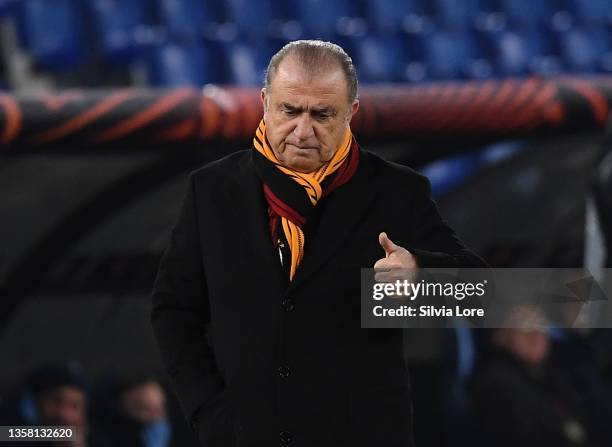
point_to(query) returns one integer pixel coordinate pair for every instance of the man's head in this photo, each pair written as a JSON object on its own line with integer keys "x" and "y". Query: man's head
{"x": 525, "y": 336}
{"x": 61, "y": 394}
{"x": 63, "y": 405}
{"x": 309, "y": 98}
{"x": 143, "y": 400}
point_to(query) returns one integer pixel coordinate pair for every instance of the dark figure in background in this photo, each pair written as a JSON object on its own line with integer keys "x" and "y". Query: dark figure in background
{"x": 51, "y": 395}
{"x": 598, "y": 251}
{"x": 130, "y": 413}
{"x": 602, "y": 197}
{"x": 526, "y": 394}
{"x": 256, "y": 304}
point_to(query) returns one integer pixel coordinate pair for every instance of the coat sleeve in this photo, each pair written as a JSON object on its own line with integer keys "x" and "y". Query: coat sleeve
{"x": 434, "y": 243}
{"x": 180, "y": 315}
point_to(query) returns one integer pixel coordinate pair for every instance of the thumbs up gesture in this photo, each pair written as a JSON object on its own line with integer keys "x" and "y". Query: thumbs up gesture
{"x": 398, "y": 262}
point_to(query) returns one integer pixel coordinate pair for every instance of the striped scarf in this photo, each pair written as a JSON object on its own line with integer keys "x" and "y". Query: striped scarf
{"x": 292, "y": 196}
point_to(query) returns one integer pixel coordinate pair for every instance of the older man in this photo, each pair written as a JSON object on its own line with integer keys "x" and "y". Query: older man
{"x": 256, "y": 304}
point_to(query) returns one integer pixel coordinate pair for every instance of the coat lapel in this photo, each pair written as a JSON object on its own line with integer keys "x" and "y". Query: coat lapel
{"x": 342, "y": 212}
{"x": 250, "y": 210}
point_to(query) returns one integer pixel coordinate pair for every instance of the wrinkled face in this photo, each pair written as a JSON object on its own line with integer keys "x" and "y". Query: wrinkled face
{"x": 306, "y": 118}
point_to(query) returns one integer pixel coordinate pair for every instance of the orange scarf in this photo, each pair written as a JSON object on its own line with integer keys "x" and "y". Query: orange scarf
{"x": 292, "y": 195}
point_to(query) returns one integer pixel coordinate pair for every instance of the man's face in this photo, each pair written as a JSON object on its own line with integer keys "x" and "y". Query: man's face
{"x": 65, "y": 405}
{"x": 144, "y": 403}
{"x": 306, "y": 118}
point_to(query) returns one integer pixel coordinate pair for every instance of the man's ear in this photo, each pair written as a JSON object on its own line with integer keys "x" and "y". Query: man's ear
{"x": 354, "y": 108}
{"x": 264, "y": 101}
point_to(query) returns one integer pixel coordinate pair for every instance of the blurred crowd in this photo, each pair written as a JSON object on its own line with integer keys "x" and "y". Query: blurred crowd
{"x": 527, "y": 387}
{"x": 116, "y": 411}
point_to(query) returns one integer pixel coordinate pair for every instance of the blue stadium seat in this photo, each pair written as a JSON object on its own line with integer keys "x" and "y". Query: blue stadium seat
{"x": 6, "y": 7}
{"x": 247, "y": 61}
{"x": 188, "y": 19}
{"x": 388, "y": 16}
{"x": 590, "y": 11}
{"x": 527, "y": 13}
{"x": 512, "y": 54}
{"x": 498, "y": 152}
{"x": 524, "y": 51}
{"x": 450, "y": 55}
{"x": 124, "y": 28}
{"x": 252, "y": 18}
{"x": 323, "y": 18}
{"x": 456, "y": 14}
{"x": 194, "y": 64}
{"x": 449, "y": 173}
{"x": 52, "y": 33}
{"x": 584, "y": 48}
{"x": 379, "y": 59}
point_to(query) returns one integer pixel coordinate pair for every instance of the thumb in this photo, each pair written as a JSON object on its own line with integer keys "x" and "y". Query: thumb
{"x": 386, "y": 243}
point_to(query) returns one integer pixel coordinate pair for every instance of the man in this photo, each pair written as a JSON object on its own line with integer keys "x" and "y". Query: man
{"x": 131, "y": 412}
{"x": 520, "y": 397}
{"x": 52, "y": 395}
{"x": 256, "y": 305}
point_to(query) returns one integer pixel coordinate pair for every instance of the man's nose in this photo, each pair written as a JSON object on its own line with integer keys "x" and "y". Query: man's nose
{"x": 303, "y": 129}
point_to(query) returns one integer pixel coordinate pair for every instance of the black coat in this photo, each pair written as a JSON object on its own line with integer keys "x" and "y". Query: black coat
{"x": 264, "y": 362}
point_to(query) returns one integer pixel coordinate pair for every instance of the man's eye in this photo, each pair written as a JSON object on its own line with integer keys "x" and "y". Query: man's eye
{"x": 322, "y": 116}
{"x": 290, "y": 112}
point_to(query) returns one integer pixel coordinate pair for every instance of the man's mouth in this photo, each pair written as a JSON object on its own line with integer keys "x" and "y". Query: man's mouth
{"x": 304, "y": 148}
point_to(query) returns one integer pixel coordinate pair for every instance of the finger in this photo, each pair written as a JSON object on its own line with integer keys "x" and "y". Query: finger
{"x": 386, "y": 243}
{"x": 387, "y": 264}
{"x": 382, "y": 264}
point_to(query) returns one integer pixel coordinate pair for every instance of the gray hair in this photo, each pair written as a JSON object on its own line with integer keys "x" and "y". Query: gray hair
{"x": 315, "y": 57}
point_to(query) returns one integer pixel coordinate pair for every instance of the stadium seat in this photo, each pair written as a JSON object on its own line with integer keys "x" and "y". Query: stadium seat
{"x": 524, "y": 51}
{"x": 497, "y": 153}
{"x": 124, "y": 28}
{"x": 6, "y": 6}
{"x": 456, "y": 14}
{"x": 195, "y": 64}
{"x": 583, "y": 49}
{"x": 247, "y": 62}
{"x": 587, "y": 12}
{"x": 388, "y": 16}
{"x": 188, "y": 19}
{"x": 450, "y": 55}
{"x": 527, "y": 13}
{"x": 252, "y": 18}
{"x": 379, "y": 59}
{"x": 449, "y": 173}
{"x": 323, "y": 18}
{"x": 51, "y": 32}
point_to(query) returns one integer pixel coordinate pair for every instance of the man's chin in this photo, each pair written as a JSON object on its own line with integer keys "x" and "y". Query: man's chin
{"x": 303, "y": 163}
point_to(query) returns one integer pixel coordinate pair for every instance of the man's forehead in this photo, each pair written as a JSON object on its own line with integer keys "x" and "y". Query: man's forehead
{"x": 292, "y": 81}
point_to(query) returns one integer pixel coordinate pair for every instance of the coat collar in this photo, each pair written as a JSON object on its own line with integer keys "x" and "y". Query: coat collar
{"x": 340, "y": 213}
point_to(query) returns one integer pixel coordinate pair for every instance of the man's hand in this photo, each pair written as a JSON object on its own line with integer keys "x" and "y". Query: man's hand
{"x": 398, "y": 262}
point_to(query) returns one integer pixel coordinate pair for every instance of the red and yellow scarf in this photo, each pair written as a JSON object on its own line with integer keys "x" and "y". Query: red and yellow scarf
{"x": 292, "y": 196}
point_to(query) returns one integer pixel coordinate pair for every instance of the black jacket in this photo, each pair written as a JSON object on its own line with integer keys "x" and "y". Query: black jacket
{"x": 256, "y": 361}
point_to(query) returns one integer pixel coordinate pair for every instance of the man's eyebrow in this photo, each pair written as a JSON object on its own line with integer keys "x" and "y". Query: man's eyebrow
{"x": 288, "y": 106}
{"x": 324, "y": 110}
